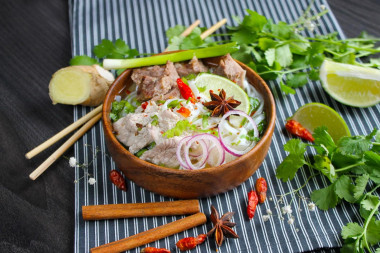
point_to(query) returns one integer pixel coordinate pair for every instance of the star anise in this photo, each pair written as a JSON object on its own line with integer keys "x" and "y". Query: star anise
{"x": 222, "y": 226}
{"x": 219, "y": 104}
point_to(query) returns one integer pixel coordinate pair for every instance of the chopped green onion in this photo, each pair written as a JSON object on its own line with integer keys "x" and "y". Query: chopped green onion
{"x": 173, "y": 104}
{"x": 173, "y": 57}
{"x": 155, "y": 120}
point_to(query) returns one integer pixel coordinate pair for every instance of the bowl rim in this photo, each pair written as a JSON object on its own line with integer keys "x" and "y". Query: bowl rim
{"x": 107, "y": 128}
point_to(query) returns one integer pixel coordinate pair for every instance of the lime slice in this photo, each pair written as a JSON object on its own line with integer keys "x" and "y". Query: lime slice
{"x": 313, "y": 115}
{"x": 206, "y": 82}
{"x": 351, "y": 85}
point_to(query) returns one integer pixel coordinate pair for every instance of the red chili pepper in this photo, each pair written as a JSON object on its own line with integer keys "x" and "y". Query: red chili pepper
{"x": 185, "y": 90}
{"x": 154, "y": 250}
{"x": 118, "y": 180}
{"x": 184, "y": 112}
{"x": 190, "y": 242}
{"x": 261, "y": 189}
{"x": 297, "y": 129}
{"x": 252, "y": 203}
{"x": 144, "y": 105}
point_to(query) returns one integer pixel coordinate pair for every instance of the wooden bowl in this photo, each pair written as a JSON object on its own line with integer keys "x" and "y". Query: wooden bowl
{"x": 186, "y": 184}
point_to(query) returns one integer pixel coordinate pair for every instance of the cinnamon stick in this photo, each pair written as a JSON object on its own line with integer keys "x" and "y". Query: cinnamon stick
{"x": 152, "y": 234}
{"x": 116, "y": 211}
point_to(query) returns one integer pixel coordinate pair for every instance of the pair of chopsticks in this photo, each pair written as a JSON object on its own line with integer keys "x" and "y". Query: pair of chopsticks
{"x": 90, "y": 119}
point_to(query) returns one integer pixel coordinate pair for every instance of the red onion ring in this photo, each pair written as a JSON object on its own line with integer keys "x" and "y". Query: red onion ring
{"x": 201, "y": 138}
{"x": 178, "y": 152}
{"x": 231, "y": 150}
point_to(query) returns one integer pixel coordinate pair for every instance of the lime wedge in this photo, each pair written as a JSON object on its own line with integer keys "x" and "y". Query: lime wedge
{"x": 313, "y": 115}
{"x": 206, "y": 82}
{"x": 351, "y": 85}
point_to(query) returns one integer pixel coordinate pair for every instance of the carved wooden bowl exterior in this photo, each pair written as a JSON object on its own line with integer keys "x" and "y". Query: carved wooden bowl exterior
{"x": 187, "y": 184}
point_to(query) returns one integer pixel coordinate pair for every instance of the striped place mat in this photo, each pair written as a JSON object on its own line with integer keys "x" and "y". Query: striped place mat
{"x": 142, "y": 24}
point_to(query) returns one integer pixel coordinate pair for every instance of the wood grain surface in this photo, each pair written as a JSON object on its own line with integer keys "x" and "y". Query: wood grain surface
{"x": 38, "y": 216}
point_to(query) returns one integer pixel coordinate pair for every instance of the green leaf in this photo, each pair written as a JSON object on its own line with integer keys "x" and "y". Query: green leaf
{"x": 323, "y": 164}
{"x": 323, "y": 141}
{"x": 300, "y": 46}
{"x": 270, "y": 56}
{"x": 373, "y": 232}
{"x": 83, "y": 60}
{"x": 297, "y": 80}
{"x": 243, "y": 36}
{"x": 175, "y": 43}
{"x": 352, "y": 229}
{"x": 290, "y": 165}
{"x": 325, "y": 198}
{"x": 282, "y": 30}
{"x": 370, "y": 202}
{"x": 283, "y": 55}
{"x": 266, "y": 43}
{"x": 355, "y": 145}
{"x": 345, "y": 189}
{"x": 180, "y": 127}
{"x": 299, "y": 61}
{"x": 255, "y": 103}
{"x": 120, "y": 109}
{"x": 254, "y": 21}
{"x": 117, "y": 50}
{"x": 286, "y": 89}
{"x": 360, "y": 185}
{"x": 244, "y": 54}
{"x": 174, "y": 31}
{"x": 314, "y": 74}
{"x": 372, "y": 163}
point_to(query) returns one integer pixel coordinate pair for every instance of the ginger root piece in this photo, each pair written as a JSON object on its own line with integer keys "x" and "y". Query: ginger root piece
{"x": 84, "y": 85}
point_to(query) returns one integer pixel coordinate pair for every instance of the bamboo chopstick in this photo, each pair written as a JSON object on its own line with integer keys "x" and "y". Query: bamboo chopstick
{"x": 37, "y": 172}
{"x": 63, "y": 133}
{"x": 213, "y": 28}
{"x": 188, "y": 30}
{"x": 92, "y": 117}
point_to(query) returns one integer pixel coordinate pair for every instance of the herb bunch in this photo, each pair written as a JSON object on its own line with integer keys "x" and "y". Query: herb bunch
{"x": 352, "y": 166}
{"x": 280, "y": 51}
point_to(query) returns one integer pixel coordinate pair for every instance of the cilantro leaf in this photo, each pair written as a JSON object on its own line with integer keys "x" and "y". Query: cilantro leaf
{"x": 270, "y": 56}
{"x": 360, "y": 185}
{"x": 180, "y": 127}
{"x": 373, "y": 232}
{"x": 288, "y": 168}
{"x": 286, "y": 89}
{"x": 370, "y": 202}
{"x": 324, "y": 165}
{"x": 284, "y": 56}
{"x": 323, "y": 141}
{"x": 325, "y": 198}
{"x": 297, "y": 80}
{"x": 352, "y": 229}
{"x": 83, "y": 60}
{"x": 174, "y": 31}
{"x": 117, "y": 50}
{"x": 120, "y": 109}
{"x": 344, "y": 189}
{"x": 355, "y": 145}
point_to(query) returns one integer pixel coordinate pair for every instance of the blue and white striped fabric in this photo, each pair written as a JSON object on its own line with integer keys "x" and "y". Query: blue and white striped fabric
{"x": 142, "y": 24}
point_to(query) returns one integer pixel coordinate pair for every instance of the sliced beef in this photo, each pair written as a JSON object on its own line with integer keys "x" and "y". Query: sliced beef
{"x": 173, "y": 93}
{"x": 155, "y": 81}
{"x": 194, "y": 66}
{"x": 164, "y": 153}
{"x": 229, "y": 68}
{"x": 135, "y": 131}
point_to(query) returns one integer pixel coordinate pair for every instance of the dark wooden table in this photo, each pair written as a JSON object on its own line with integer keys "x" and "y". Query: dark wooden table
{"x": 38, "y": 216}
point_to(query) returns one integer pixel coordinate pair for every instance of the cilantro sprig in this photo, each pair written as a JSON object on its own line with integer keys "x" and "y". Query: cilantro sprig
{"x": 352, "y": 166}
{"x": 106, "y": 50}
